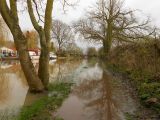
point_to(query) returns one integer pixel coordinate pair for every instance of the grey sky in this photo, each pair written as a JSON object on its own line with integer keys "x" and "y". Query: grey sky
{"x": 148, "y": 7}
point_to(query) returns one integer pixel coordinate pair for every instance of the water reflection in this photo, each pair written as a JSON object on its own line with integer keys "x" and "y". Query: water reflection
{"x": 97, "y": 95}
{"x": 13, "y": 88}
{"x": 63, "y": 70}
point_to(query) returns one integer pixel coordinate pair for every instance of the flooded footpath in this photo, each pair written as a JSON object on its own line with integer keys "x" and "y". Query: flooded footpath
{"x": 96, "y": 94}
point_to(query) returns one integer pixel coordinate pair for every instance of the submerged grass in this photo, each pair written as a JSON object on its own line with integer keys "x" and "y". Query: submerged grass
{"x": 43, "y": 108}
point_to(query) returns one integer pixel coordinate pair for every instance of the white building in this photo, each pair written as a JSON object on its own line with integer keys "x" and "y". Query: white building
{"x": 7, "y": 51}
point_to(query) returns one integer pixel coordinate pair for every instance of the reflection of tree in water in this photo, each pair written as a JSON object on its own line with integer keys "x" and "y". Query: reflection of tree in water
{"x": 13, "y": 88}
{"x": 63, "y": 69}
{"x": 3, "y": 86}
{"x": 5, "y": 77}
{"x": 99, "y": 95}
{"x": 91, "y": 62}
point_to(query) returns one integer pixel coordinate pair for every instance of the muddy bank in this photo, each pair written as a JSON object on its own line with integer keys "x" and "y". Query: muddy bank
{"x": 141, "y": 64}
{"x": 144, "y": 112}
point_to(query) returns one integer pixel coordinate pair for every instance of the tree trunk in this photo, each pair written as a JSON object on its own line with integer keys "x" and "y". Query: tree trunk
{"x": 43, "y": 71}
{"x": 107, "y": 43}
{"x": 44, "y": 34}
{"x": 10, "y": 16}
{"x": 109, "y": 29}
{"x": 105, "y": 51}
{"x": 34, "y": 82}
{"x": 109, "y": 35}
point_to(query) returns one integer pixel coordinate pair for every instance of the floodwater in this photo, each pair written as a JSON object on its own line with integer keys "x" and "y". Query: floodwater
{"x": 96, "y": 93}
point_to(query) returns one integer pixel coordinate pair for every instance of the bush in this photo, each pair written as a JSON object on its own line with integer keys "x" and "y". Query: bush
{"x": 141, "y": 63}
{"x": 101, "y": 52}
{"x": 91, "y": 52}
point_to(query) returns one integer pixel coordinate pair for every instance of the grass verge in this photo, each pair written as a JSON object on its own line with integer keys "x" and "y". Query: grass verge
{"x": 146, "y": 84}
{"x": 43, "y": 108}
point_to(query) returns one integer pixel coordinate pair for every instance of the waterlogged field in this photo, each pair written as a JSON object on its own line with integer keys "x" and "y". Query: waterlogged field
{"x": 95, "y": 93}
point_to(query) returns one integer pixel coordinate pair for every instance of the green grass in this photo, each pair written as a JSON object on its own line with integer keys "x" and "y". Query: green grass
{"x": 42, "y": 108}
{"x": 129, "y": 116}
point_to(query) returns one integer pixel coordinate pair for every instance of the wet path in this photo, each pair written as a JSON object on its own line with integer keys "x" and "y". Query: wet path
{"x": 96, "y": 94}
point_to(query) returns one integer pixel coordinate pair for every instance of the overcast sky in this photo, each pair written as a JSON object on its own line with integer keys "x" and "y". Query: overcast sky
{"x": 148, "y": 7}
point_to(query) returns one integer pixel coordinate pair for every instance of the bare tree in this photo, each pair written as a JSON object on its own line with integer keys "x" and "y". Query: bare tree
{"x": 62, "y": 34}
{"x": 44, "y": 34}
{"x": 40, "y": 12}
{"x": 10, "y": 16}
{"x": 109, "y": 22}
{"x": 43, "y": 15}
